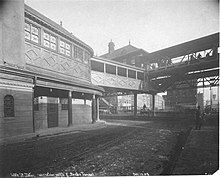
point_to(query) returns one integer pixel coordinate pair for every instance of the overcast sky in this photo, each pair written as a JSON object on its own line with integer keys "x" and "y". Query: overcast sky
{"x": 149, "y": 24}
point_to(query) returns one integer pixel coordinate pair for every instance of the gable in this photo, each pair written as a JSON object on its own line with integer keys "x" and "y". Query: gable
{"x": 120, "y": 52}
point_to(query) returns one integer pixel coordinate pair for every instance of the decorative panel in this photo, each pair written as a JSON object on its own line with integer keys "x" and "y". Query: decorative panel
{"x": 134, "y": 83}
{"x": 46, "y": 59}
{"x": 122, "y": 82}
{"x": 114, "y": 81}
{"x": 97, "y": 78}
{"x": 110, "y": 80}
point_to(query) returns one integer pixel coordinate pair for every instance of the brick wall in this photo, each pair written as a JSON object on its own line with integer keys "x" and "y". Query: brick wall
{"x": 22, "y": 122}
{"x": 82, "y": 114}
{"x": 40, "y": 116}
{"x": 63, "y": 117}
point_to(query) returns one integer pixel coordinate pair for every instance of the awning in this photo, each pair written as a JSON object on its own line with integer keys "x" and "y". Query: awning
{"x": 55, "y": 84}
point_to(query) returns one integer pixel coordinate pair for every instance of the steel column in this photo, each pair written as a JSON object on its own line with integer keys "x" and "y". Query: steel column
{"x": 70, "y": 108}
{"x": 97, "y": 108}
{"x": 135, "y": 104}
{"x": 93, "y": 109}
{"x": 153, "y": 105}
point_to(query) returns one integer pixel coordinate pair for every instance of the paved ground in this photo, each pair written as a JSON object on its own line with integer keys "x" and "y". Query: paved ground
{"x": 121, "y": 148}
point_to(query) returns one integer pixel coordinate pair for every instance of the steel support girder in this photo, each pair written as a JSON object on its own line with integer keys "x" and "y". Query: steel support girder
{"x": 195, "y": 83}
{"x": 184, "y": 68}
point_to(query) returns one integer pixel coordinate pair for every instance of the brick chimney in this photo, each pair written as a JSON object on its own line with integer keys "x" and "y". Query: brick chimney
{"x": 111, "y": 47}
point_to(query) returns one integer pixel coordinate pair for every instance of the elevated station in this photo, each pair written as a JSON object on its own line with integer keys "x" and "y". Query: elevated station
{"x": 49, "y": 78}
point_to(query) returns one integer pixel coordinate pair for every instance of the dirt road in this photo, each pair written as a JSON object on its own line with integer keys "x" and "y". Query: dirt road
{"x": 122, "y": 148}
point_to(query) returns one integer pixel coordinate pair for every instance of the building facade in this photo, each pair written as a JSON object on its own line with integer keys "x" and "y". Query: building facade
{"x": 45, "y": 74}
{"x": 128, "y": 54}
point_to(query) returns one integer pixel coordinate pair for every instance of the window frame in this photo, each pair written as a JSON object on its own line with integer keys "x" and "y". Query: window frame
{"x": 140, "y": 75}
{"x": 36, "y": 104}
{"x": 49, "y": 40}
{"x": 87, "y": 57}
{"x": 108, "y": 69}
{"x": 64, "y": 104}
{"x": 77, "y": 50}
{"x": 130, "y": 72}
{"x": 100, "y": 68}
{"x": 121, "y": 70}
{"x": 30, "y": 32}
{"x": 12, "y": 107}
{"x": 65, "y": 47}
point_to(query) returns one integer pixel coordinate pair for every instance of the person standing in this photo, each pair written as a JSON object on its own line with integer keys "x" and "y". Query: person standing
{"x": 198, "y": 119}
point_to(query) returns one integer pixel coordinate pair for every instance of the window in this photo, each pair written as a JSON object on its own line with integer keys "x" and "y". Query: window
{"x": 97, "y": 66}
{"x": 87, "y": 57}
{"x": 36, "y": 104}
{"x": 64, "y": 103}
{"x": 132, "y": 61}
{"x": 140, "y": 75}
{"x": 110, "y": 69}
{"x": 50, "y": 41}
{"x": 78, "y": 53}
{"x": 9, "y": 106}
{"x": 64, "y": 48}
{"x": 122, "y": 72}
{"x": 31, "y": 32}
{"x": 132, "y": 74}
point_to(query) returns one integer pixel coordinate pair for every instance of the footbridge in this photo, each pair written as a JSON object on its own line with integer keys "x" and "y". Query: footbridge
{"x": 117, "y": 78}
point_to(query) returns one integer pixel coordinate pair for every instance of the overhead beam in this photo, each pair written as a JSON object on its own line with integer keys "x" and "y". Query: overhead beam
{"x": 191, "y": 76}
{"x": 185, "y": 68}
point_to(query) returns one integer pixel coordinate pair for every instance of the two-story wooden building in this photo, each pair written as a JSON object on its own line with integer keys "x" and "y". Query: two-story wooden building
{"x": 45, "y": 74}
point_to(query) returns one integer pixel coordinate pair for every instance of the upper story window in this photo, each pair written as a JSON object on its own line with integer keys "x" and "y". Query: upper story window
{"x": 65, "y": 48}
{"x": 131, "y": 74}
{"x": 78, "y": 53}
{"x": 122, "y": 71}
{"x": 97, "y": 66}
{"x": 50, "y": 41}
{"x": 87, "y": 57}
{"x": 132, "y": 61}
{"x": 110, "y": 69}
{"x": 9, "y": 106}
{"x": 140, "y": 75}
{"x": 31, "y": 32}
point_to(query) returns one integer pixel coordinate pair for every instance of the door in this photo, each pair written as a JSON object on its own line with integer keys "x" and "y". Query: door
{"x": 52, "y": 115}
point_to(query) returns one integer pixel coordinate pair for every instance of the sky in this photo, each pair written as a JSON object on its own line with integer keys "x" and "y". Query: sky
{"x": 148, "y": 24}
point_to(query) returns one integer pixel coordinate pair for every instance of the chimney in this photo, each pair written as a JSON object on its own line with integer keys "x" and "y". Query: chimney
{"x": 111, "y": 47}
{"x": 61, "y": 23}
